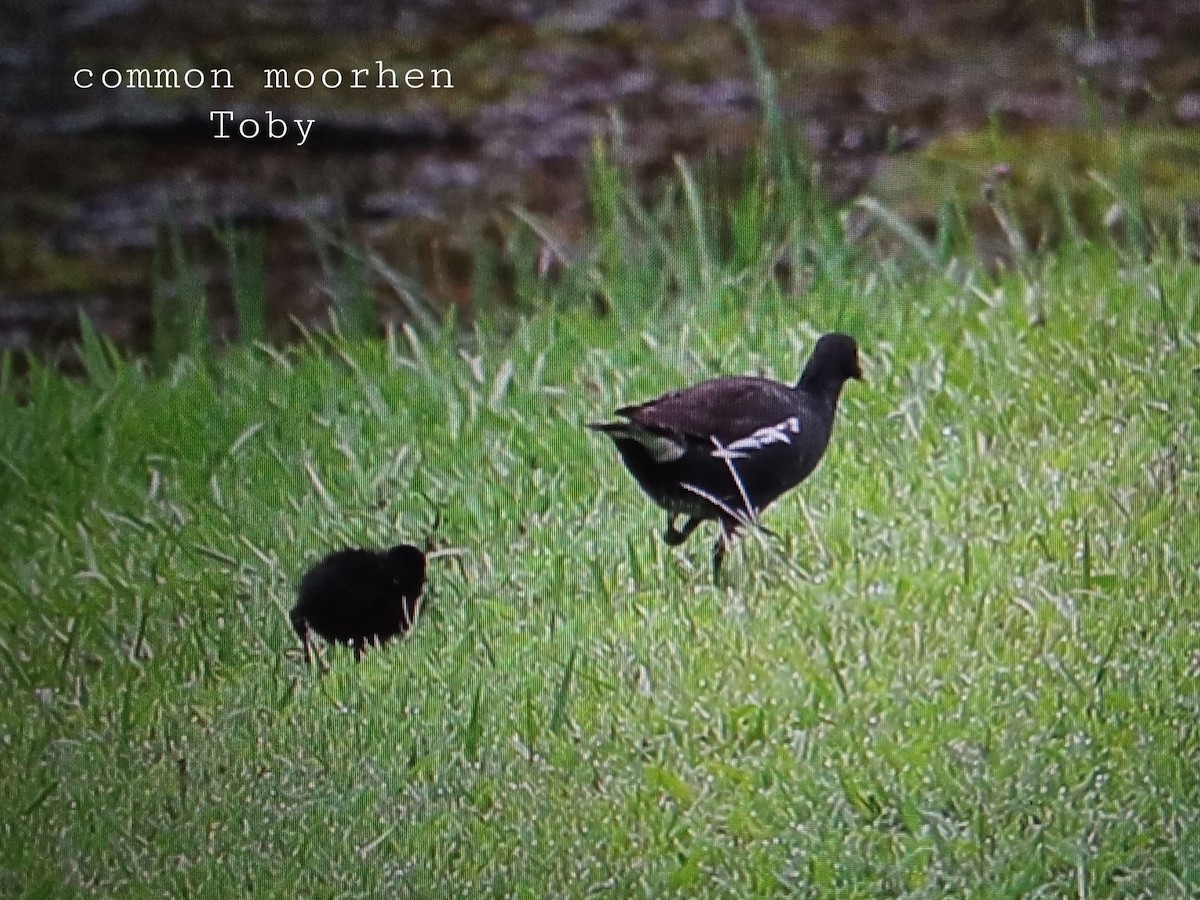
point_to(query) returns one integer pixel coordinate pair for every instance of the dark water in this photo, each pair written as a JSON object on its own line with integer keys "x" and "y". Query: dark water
{"x": 92, "y": 176}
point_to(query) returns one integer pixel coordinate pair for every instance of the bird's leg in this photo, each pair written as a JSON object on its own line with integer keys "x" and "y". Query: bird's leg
{"x": 311, "y": 653}
{"x": 676, "y": 536}
{"x": 303, "y": 629}
{"x": 718, "y": 557}
{"x": 729, "y": 528}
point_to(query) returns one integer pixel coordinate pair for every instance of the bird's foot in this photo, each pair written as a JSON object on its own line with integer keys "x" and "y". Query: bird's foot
{"x": 718, "y": 558}
{"x": 676, "y": 536}
{"x": 724, "y": 539}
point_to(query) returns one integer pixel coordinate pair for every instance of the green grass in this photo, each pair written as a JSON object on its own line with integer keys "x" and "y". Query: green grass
{"x": 970, "y": 667}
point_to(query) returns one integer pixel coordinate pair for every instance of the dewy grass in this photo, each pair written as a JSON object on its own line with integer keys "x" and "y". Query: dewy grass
{"x": 971, "y": 672}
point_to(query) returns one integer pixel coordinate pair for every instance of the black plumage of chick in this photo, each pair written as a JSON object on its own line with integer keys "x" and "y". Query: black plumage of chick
{"x": 684, "y": 447}
{"x": 360, "y": 597}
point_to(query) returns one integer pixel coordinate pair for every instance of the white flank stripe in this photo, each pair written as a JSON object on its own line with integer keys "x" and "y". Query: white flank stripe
{"x": 772, "y": 434}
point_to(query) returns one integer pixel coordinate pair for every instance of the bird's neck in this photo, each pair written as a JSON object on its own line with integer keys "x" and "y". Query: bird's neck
{"x": 818, "y": 385}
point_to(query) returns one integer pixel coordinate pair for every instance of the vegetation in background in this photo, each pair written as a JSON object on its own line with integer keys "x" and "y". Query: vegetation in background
{"x": 968, "y": 666}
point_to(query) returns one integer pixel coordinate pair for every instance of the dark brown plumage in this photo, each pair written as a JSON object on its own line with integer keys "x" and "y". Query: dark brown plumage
{"x": 684, "y": 447}
{"x": 360, "y": 597}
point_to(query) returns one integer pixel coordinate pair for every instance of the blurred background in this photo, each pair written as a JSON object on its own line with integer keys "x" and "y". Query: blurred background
{"x": 110, "y": 199}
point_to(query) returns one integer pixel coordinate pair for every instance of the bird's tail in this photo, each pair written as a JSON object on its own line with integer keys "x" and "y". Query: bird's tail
{"x": 661, "y": 446}
{"x": 620, "y": 429}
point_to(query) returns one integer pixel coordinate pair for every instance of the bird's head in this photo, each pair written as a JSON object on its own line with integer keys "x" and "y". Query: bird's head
{"x": 833, "y": 361}
{"x": 407, "y": 562}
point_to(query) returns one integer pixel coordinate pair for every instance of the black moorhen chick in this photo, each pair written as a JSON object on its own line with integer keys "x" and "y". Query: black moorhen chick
{"x": 360, "y": 597}
{"x": 684, "y": 447}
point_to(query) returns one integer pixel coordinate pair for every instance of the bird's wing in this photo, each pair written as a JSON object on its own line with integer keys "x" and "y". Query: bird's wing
{"x": 728, "y": 409}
